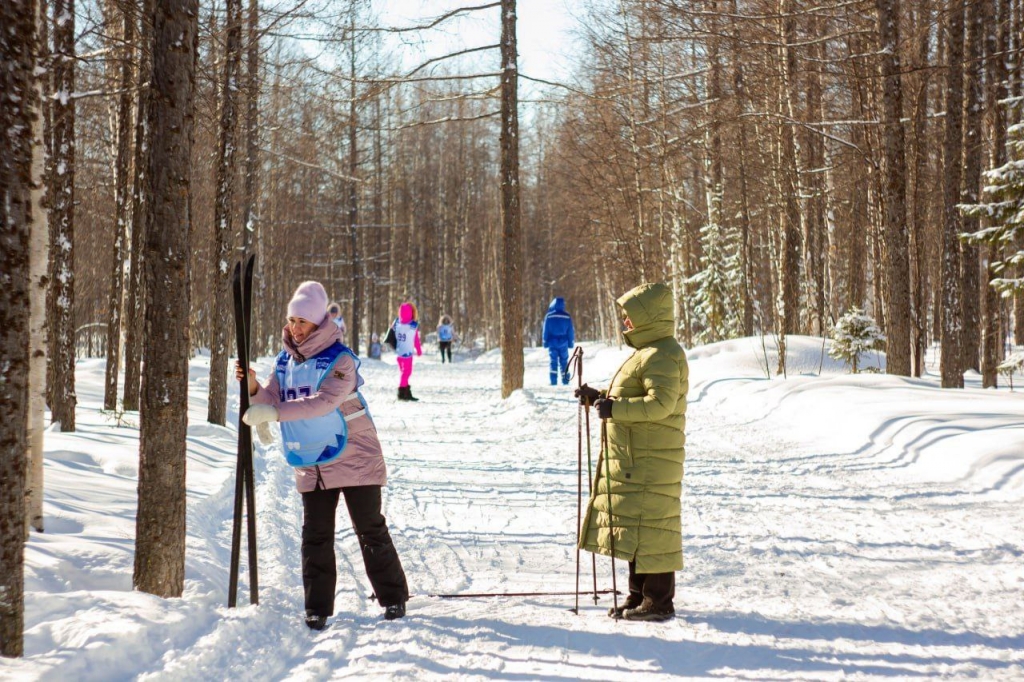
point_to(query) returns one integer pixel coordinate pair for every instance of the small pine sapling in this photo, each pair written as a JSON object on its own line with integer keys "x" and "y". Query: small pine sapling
{"x": 855, "y": 333}
{"x": 1014, "y": 364}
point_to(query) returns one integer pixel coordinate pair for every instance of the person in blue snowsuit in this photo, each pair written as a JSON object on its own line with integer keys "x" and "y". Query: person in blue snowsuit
{"x": 559, "y": 337}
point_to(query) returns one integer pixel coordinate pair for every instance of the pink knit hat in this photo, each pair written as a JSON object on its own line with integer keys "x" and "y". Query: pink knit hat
{"x": 309, "y": 302}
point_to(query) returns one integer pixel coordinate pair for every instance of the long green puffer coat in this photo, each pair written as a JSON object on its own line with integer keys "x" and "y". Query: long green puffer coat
{"x": 642, "y": 467}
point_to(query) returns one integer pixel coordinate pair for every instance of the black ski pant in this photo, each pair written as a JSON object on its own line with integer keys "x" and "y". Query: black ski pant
{"x": 319, "y": 568}
{"x": 446, "y": 347}
{"x": 660, "y": 588}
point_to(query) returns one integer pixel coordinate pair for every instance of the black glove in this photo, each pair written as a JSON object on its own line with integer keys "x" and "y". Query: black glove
{"x": 587, "y": 395}
{"x": 604, "y": 408}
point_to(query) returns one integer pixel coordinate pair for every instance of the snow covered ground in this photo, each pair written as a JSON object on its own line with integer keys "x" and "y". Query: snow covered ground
{"x": 835, "y": 526}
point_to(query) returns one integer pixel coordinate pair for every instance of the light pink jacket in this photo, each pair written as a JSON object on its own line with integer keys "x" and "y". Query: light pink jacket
{"x": 362, "y": 461}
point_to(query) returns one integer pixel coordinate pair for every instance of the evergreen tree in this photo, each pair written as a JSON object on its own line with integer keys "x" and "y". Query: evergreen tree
{"x": 715, "y": 289}
{"x": 855, "y": 333}
{"x": 1002, "y": 211}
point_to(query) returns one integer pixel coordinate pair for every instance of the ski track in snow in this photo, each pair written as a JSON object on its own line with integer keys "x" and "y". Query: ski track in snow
{"x": 817, "y": 545}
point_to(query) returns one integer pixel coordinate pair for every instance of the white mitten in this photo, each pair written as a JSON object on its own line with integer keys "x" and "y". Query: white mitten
{"x": 260, "y": 414}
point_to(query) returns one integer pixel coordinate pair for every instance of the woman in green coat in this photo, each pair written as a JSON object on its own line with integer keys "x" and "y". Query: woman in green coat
{"x": 634, "y": 509}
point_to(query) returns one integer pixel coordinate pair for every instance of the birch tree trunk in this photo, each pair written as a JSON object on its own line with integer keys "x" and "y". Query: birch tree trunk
{"x": 512, "y": 262}
{"x": 62, "y": 238}
{"x": 135, "y": 297}
{"x": 38, "y": 269}
{"x": 19, "y": 107}
{"x": 160, "y": 521}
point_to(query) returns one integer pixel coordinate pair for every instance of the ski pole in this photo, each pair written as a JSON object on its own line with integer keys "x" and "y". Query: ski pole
{"x": 577, "y": 363}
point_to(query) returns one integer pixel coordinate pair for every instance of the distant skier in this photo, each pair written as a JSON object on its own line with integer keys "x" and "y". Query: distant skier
{"x": 334, "y": 312}
{"x": 559, "y": 337}
{"x": 634, "y": 507}
{"x": 406, "y": 342}
{"x": 374, "y": 351}
{"x": 330, "y": 439}
{"x": 445, "y": 337}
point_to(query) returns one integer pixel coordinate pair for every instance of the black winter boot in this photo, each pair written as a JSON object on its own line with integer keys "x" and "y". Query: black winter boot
{"x": 632, "y": 601}
{"x": 409, "y": 395}
{"x": 647, "y": 611}
{"x": 401, "y": 393}
{"x": 394, "y": 612}
{"x": 316, "y": 622}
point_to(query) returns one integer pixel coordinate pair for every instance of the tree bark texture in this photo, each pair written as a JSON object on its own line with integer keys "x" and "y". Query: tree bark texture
{"x": 134, "y": 281}
{"x": 252, "y": 97}
{"x": 62, "y": 252}
{"x": 353, "y": 193}
{"x": 38, "y": 284}
{"x": 19, "y": 105}
{"x": 511, "y": 236}
{"x": 895, "y": 249}
{"x": 952, "y": 282}
{"x": 790, "y": 216}
{"x": 223, "y": 214}
{"x": 123, "y": 48}
{"x": 160, "y": 521}
{"x": 997, "y": 43}
{"x": 973, "y": 151}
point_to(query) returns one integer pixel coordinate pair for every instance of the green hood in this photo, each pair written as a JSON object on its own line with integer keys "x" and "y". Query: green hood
{"x": 650, "y": 309}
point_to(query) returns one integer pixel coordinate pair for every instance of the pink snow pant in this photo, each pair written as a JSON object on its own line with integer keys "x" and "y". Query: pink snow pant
{"x": 405, "y": 365}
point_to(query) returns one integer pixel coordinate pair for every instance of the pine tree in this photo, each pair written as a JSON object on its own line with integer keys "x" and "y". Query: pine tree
{"x": 855, "y": 333}
{"x": 714, "y": 289}
{"x": 1002, "y": 211}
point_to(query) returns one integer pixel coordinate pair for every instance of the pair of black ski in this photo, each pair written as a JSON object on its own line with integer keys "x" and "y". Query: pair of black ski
{"x": 241, "y": 286}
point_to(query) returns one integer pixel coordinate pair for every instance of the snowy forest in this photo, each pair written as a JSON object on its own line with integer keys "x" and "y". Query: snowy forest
{"x": 781, "y": 164}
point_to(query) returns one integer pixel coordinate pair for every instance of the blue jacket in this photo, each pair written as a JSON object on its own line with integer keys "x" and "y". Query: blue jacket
{"x": 558, "y": 330}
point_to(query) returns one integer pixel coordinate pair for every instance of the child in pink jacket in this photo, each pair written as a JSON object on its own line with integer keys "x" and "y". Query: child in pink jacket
{"x": 407, "y": 341}
{"x": 330, "y": 439}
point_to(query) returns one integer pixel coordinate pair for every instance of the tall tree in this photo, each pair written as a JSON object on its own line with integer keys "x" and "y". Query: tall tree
{"x": 223, "y": 213}
{"x": 952, "y": 146}
{"x": 134, "y": 296}
{"x": 160, "y": 521}
{"x": 353, "y": 188}
{"x": 790, "y": 215}
{"x": 252, "y": 97}
{"x": 62, "y": 238}
{"x": 895, "y": 252}
{"x": 122, "y": 46}
{"x": 38, "y": 281}
{"x": 973, "y": 150}
{"x": 997, "y": 43}
{"x": 19, "y": 106}
{"x": 511, "y": 234}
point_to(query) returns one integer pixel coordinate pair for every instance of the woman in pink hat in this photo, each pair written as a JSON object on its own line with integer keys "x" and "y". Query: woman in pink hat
{"x": 406, "y": 333}
{"x": 329, "y": 437}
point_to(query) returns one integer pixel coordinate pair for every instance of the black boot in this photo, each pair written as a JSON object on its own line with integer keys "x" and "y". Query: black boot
{"x": 401, "y": 393}
{"x": 409, "y": 395}
{"x": 394, "y": 612}
{"x": 316, "y": 622}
